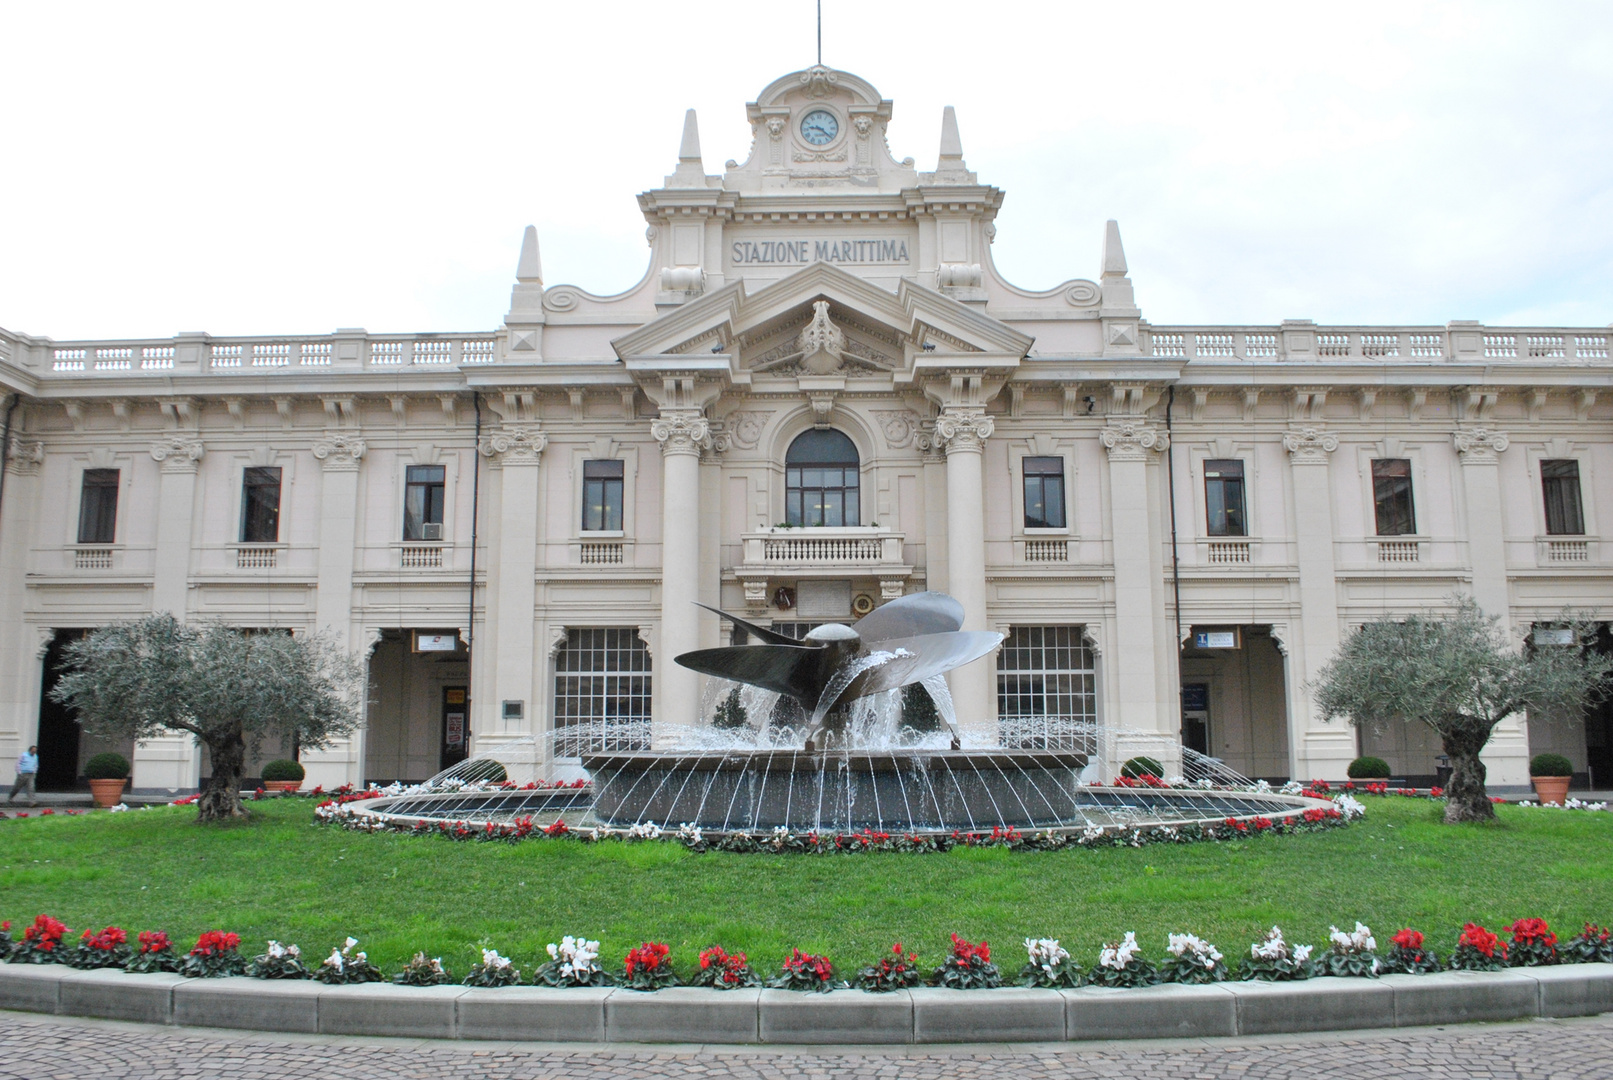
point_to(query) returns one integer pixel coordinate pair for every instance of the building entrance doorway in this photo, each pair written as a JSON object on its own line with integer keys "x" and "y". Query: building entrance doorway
{"x": 418, "y": 720}
{"x": 63, "y": 745}
{"x": 1235, "y": 699}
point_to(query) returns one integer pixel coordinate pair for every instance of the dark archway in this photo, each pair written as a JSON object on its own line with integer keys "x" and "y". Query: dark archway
{"x": 821, "y": 480}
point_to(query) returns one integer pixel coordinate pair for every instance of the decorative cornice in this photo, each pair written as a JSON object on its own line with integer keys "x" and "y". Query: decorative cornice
{"x": 1131, "y": 440}
{"x": 24, "y": 458}
{"x": 1310, "y": 446}
{"x": 1480, "y": 446}
{"x": 515, "y": 445}
{"x": 340, "y": 452}
{"x": 176, "y": 453}
{"x": 681, "y": 431}
{"x": 963, "y": 430}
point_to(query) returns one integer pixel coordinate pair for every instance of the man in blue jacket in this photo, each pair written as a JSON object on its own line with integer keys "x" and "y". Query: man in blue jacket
{"x": 27, "y": 770}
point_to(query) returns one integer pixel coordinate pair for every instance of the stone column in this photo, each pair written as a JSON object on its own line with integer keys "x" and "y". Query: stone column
{"x": 1316, "y": 749}
{"x": 1144, "y": 685}
{"x": 19, "y": 642}
{"x": 681, "y": 433}
{"x": 172, "y": 763}
{"x": 1507, "y": 755}
{"x": 963, "y": 432}
{"x": 339, "y": 454}
{"x": 512, "y": 599}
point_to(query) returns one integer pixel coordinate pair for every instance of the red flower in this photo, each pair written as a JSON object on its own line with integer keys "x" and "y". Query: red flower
{"x": 45, "y": 934}
{"x": 216, "y": 942}
{"x": 968, "y": 954}
{"x": 154, "y": 941}
{"x": 1262, "y": 823}
{"x": 559, "y": 828}
{"x": 1477, "y": 937}
{"x": 647, "y": 957}
{"x": 1409, "y": 939}
{"x": 106, "y": 940}
{"x": 1532, "y": 932}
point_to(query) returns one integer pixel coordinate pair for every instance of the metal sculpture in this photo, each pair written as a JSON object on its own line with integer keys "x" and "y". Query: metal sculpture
{"x": 908, "y": 640}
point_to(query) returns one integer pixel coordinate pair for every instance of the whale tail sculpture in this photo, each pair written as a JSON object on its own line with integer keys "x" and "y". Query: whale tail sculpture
{"x": 906, "y": 641}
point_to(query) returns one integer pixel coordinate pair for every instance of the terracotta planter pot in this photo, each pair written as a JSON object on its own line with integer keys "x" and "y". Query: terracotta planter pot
{"x": 1551, "y": 789}
{"x": 107, "y": 792}
{"x": 281, "y": 785}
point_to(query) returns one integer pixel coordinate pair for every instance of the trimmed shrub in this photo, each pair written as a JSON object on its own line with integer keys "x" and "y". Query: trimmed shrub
{"x": 1142, "y": 766}
{"x": 107, "y": 766}
{"x": 1550, "y": 765}
{"x": 284, "y": 770}
{"x": 1367, "y": 768}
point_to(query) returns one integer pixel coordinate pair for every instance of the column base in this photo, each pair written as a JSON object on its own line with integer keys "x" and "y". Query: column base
{"x": 524, "y": 759}
{"x": 1506, "y": 758}
{"x": 338, "y": 764}
{"x": 1325, "y": 755}
{"x": 167, "y": 764}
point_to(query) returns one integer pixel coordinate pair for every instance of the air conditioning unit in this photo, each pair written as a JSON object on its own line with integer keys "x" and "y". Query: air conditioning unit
{"x": 431, "y": 530}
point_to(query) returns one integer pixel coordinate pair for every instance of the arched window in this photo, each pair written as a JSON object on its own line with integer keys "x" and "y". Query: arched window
{"x": 820, "y": 480}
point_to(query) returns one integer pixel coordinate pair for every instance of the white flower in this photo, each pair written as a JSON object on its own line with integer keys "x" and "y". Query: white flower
{"x": 349, "y": 944}
{"x": 1118, "y": 956}
{"x": 1092, "y": 832}
{"x": 1272, "y": 948}
{"x": 1302, "y": 953}
{"x": 689, "y": 833}
{"x": 1349, "y": 806}
{"x": 334, "y": 960}
{"x": 1360, "y": 940}
{"x": 493, "y": 961}
{"x": 1046, "y": 953}
{"x": 645, "y": 830}
{"x": 1293, "y": 787}
{"x": 293, "y": 952}
{"x": 1197, "y": 947}
{"x": 122, "y": 806}
{"x": 1262, "y": 786}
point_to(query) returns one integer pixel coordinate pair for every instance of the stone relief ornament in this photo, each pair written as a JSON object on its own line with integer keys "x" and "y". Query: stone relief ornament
{"x": 745, "y": 428}
{"x": 339, "y": 451}
{"x": 1310, "y": 445}
{"x": 1480, "y": 445}
{"x": 177, "y": 453}
{"x": 1082, "y": 294}
{"x": 963, "y": 429}
{"x": 515, "y": 445}
{"x": 24, "y": 458}
{"x": 899, "y": 425}
{"x": 819, "y": 81}
{"x": 1131, "y": 440}
{"x": 561, "y": 298}
{"x": 681, "y": 431}
{"x": 863, "y": 124}
{"x": 775, "y": 126}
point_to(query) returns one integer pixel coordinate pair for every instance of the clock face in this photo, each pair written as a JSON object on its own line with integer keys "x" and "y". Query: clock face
{"x": 819, "y": 127}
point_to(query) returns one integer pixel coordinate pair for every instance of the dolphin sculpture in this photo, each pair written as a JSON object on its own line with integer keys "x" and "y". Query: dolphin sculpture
{"x": 911, "y": 638}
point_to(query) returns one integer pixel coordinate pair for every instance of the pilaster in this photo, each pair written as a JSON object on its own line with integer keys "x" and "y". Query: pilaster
{"x": 682, "y": 434}
{"x": 516, "y": 451}
{"x": 1317, "y": 749}
{"x": 20, "y": 643}
{"x": 340, "y": 454}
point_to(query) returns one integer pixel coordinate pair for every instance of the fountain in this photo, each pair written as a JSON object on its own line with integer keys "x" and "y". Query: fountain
{"x": 830, "y": 756}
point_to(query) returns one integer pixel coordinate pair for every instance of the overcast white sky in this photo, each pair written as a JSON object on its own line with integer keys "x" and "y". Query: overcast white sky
{"x": 292, "y": 168}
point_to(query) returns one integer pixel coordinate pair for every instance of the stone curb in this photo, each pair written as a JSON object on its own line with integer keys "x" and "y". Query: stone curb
{"x": 929, "y": 1015}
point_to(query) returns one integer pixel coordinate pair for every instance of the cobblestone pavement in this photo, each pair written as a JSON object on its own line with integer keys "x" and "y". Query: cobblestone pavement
{"x": 47, "y": 1048}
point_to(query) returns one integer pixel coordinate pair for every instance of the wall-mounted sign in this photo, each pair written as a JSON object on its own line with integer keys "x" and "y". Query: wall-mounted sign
{"x": 1554, "y": 635}
{"x": 456, "y": 728}
{"x": 1195, "y": 697}
{"x": 801, "y": 252}
{"x": 453, "y": 697}
{"x": 1215, "y": 639}
{"x": 424, "y": 642}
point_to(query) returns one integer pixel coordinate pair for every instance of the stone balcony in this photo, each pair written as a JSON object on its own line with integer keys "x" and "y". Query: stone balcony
{"x": 794, "y": 553}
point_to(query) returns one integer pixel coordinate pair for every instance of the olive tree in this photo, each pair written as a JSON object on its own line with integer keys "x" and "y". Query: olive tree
{"x": 229, "y": 688}
{"x": 1460, "y": 674}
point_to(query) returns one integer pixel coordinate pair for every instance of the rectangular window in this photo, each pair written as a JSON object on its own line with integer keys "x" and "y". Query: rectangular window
{"x": 602, "y": 496}
{"x": 98, "y": 506}
{"x": 1564, "y": 516}
{"x": 1391, "y": 497}
{"x": 422, "y": 502}
{"x": 602, "y": 687}
{"x": 1223, "y": 496}
{"x": 1044, "y": 493}
{"x": 260, "y": 506}
{"x": 1047, "y": 689}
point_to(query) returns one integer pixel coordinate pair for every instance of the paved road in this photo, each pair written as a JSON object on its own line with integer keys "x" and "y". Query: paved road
{"x": 46, "y": 1048}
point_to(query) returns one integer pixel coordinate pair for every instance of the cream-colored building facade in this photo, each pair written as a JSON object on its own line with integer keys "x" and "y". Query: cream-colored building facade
{"x": 820, "y": 395}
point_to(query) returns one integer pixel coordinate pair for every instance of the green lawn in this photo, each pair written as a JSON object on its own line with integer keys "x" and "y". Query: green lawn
{"x": 283, "y": 876}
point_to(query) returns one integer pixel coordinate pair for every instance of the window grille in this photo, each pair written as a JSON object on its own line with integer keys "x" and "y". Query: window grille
{"x": 601, "y": 692}
{"x": 1046, "y": 697}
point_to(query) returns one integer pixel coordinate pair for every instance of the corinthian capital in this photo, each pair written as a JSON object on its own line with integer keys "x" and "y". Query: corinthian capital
{"x": 1131, "y": 440}
{"x": 177, "y": 453}
{"x": 515, "y": 445}
{"x": 339, "y": 452}
{"x": 1479, "y": 446}
{"x": 963, "y": 430}
{"x": 1310, "y": 446}
{"x": 681, "y": 431}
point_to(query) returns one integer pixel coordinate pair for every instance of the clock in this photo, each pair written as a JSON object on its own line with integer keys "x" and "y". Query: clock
{"x": 819, "y": 127}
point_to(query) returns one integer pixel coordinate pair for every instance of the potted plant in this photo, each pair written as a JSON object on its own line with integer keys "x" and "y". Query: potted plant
{"x": 107, "y": 773}
{"x": 1550, "y": 774}
{"x": 1368, "y": 770}
{"x": 283, "y": 775}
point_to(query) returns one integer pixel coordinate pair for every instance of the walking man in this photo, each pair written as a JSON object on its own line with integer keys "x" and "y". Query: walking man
{"x": 27, "y": 770}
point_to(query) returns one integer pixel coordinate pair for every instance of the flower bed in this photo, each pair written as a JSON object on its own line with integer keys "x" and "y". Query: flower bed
{"x": 574, "y": 961}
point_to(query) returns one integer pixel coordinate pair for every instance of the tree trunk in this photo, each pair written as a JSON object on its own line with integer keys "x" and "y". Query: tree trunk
{"x": 221, "y": 798}
{"x": 1465, "y": 797}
